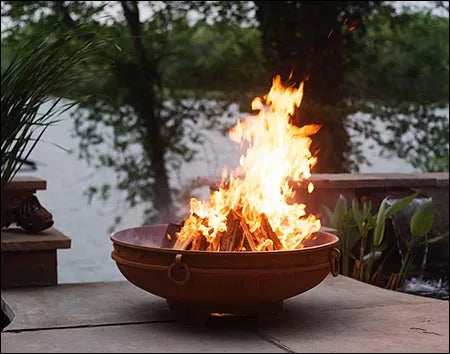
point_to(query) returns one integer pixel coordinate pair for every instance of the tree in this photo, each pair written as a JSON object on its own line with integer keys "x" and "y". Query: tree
{"x": 163, "y": 80}
{"x": 399, "y": 76}
{"x": 362, "y": 56}
{"x": 152, "y": 88}
{"x": 309, "y": 40}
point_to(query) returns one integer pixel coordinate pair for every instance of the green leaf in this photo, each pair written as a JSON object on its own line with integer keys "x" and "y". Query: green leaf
{"x": 433, "y": 239}
{"x": 400, "y": 204}
{"x": 39, "y": 71}
{"x": 371, "y": 220}
{"x": 380, "y": 225}
{"x": 367, "y": 208}
{"x": 383, "y": 246}
{"x": 379, "y": 232}
{"x": 377, "y": 255}
{"x": 337, "y": 216}
{"x": 328, "y": 213}
{"x": 422, "y": 219}
{"x": 339, "y": 210}
{"x": 347, "y": 216}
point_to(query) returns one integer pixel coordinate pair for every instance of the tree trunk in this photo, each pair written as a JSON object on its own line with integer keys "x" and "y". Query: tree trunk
{"x": 147, "y": 110}
{"x": 304, "y": 38}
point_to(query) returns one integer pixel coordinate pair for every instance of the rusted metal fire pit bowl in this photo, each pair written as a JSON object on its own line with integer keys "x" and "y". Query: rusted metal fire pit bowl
{"x": 225, "y": 282}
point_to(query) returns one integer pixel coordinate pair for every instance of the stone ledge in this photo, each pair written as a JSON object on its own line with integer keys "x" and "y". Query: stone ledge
{"x": 30, "y": 259}
{"x": 17, "y": 240}
{"x": 26, "y": 182}
{"x": 365, "y": 180}
{"x": 380, "y": 180}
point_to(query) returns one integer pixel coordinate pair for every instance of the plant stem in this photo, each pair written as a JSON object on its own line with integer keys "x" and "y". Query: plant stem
{"x": 370, "y": 264}
{"x": 346, "y": 252}
{"x": 405, "y": 266}
{"x": 361, "y": 258}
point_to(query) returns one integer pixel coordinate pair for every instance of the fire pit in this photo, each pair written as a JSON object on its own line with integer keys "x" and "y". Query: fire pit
{"x": 199, "y": 283}
{"x": 253, "y": 244}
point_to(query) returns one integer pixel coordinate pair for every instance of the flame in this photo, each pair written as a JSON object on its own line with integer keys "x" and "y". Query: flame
{"x": 277, "y": 154}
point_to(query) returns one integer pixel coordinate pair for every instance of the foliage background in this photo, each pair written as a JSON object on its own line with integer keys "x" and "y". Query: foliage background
{"x": 172, "y": 70}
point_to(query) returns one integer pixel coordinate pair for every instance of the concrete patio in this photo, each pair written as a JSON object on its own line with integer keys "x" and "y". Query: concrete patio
{"x": 339, "y": 315}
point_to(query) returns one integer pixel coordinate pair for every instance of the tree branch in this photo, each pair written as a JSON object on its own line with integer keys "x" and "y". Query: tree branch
{"x": 131, "y": 12}
{"x": 64, "y": 12}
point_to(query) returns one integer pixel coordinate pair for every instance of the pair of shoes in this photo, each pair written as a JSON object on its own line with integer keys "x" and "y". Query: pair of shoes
{"x": 30, "y": 215}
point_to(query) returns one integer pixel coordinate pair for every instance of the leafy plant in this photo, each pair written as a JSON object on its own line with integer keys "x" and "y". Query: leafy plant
{"x": 365, "y": 222}
{"x": 385, "y": 210}
{"x": 420, "y": 225}
{"x": 355, "y": 225}
{"x": 340, "y": 220}
{"x": 28, "y": 81}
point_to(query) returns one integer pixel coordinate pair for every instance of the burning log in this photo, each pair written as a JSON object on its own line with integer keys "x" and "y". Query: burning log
{"x": 234, "y": 238}
{"x": 200, "y": 243}
{"x": 186, "y": 243}
{"x": 266, "y": 245}
{"x": 170, "y": 237}
{"x": 269, "y": 233}
{"x": 249, "y": 239}
{"x": 237, "y": 237}
{"x": 215, "y": 244}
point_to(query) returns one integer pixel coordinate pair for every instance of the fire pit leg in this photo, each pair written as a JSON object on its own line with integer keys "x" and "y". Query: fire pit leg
{"x": 189, "y": 314}
{"x": 269, "y": 313}
{"x": 199, "y": 314}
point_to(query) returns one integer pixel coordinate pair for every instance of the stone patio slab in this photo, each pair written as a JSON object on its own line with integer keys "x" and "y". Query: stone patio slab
{"x": 339, "y": 315}
{"x": 421, "y": 328}
{"x": 122, "y": 302}
{"x": 84, "y": 304}
{"x": 141, "y": 338}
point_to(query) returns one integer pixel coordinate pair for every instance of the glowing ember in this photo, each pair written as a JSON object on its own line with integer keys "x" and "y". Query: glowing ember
{"x": 253, "y": 208}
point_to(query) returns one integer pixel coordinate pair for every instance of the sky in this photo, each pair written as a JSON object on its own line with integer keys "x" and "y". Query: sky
{"x": 114, "y": 10}
{"x": 399, "y": 5}
{"x": 419, "y": 6}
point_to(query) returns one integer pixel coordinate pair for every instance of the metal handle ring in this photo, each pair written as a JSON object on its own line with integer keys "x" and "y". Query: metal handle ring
{"x": 178, "y": 262}
{"x": 335, "y": 261}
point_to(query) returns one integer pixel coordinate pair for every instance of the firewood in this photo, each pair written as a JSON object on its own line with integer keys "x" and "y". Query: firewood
{"x": 235, "y": 233}
{"x": 249, "y": 242}
{"x": 170, "y": 237}
{"x": 266, "y": 245}
{"x": 225, "y": 242}
{"x": 183, "y": 245}
{"x": 226, "y": 238}
{"x": 214, "y": 245}
{"x": 199, "y": 243}
{"x": 194, "y": 241}
{"x": 237, "y": 237}
{"x": 269, "y": 233}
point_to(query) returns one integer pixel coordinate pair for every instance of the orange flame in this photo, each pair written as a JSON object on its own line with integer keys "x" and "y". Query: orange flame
{"x": 277, "y": 153}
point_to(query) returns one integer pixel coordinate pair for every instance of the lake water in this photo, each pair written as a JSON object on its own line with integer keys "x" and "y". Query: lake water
{"x": 87, "y": 225}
